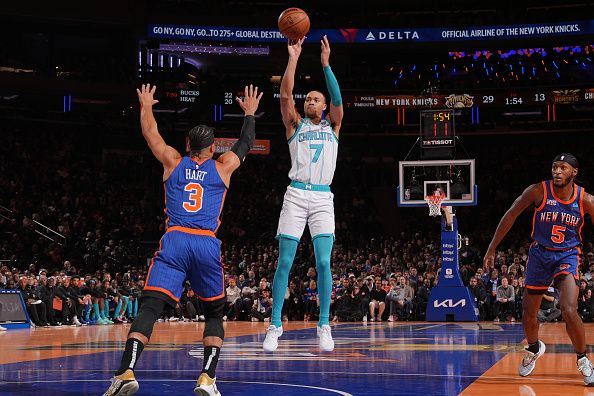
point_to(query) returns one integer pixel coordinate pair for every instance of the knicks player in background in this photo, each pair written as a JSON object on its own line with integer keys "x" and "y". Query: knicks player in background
{"x": 195, "y": 189}
{"x": 560, "y": 206}
{"x": 313, "y": 145}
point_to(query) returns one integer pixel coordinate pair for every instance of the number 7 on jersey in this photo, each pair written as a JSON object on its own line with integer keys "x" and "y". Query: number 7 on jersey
{"x": 318, "y": 148}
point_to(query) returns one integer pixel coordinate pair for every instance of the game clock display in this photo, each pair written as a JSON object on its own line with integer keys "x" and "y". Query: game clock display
{"x": 437, "y": 128}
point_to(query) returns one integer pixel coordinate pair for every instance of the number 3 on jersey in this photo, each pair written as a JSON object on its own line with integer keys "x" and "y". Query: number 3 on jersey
{"x": 194, "y": 204}
{"x": 558, "y": 235}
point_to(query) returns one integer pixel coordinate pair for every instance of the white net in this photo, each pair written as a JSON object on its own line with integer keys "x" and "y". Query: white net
{"x": 434, "y": 202}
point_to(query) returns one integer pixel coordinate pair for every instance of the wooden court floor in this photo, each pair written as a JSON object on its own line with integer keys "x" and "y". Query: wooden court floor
{"x": 376, "y": 358}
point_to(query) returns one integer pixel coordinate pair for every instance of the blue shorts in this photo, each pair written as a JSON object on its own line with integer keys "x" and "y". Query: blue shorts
{"x": 184, "y": 256}
{"x": 545, "y": 265}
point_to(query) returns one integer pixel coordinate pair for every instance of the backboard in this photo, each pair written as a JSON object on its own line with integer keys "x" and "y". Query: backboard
{"x": 455, "y": 178}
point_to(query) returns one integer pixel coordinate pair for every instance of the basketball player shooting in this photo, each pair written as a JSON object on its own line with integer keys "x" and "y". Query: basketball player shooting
{"x": 313, "y": 145}
{"x": 195, "y": 189}
{"x": 560, "y": 206}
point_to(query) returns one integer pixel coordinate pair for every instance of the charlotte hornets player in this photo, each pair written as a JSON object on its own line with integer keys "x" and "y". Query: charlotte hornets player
{"x": 195, "y": 188}
{"x": 560, "y": 206}
{"x": 313, "y": 145}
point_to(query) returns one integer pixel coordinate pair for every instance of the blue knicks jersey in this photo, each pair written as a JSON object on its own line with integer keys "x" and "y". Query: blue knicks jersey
{"x": 558, "y": 224}
{"x": 194, "y": 195}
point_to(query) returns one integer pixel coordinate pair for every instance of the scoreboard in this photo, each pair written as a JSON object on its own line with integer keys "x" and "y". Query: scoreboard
{"x": 460, "y": 100}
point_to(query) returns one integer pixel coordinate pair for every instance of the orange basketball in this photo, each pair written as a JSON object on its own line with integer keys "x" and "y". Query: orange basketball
{"x": 293, "y": 23}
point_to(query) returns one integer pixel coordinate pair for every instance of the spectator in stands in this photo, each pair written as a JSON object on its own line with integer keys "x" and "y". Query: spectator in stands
{"x": 242, "y": 282}
{"x": 262, "y": 308}
{"x": 423, "y": 298}
{"x": 311, "y": 300}
{"x": 505, "y": 302}
{"x": 47, "y": 291}
{"x": 549, "y": 310}
{"x": 519, "y": 287}
{"x": 293, "y": 308}
{"x": 121, "y": 301}
{"x": 491, "y": 285}
{"x": 409, "y": 296}
{"x": 349, "y": 309}
{"x": 37, "y": 310}
{"x": 248, "y": 295}
{"x": 378, "y": 298}
{"x": 585, "y": 305}
{"x": 517, "y": 266}
{"x": 395, "y": 300}
{"x": 191, "y": 304}
{"x": 233, "y": 303}
{"x": 81, "y": 302}
{"x": 477, "y": 290}
{"x": 365, "y": 295}
{"x": 68, "y": 303}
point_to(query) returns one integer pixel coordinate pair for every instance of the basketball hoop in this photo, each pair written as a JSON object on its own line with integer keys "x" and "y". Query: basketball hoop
{"x": 434, "y": 201}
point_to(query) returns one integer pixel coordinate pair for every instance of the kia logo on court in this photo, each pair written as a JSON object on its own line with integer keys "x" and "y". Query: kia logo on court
{"x": 449, "y": 303}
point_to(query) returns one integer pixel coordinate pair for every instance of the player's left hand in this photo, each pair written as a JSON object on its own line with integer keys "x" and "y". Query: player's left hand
{"x": 325, "y": 51}
{"x": 250, "y": 101}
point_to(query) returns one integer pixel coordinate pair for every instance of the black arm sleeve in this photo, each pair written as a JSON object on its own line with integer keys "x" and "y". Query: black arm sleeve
{"x": 246, "y": 140}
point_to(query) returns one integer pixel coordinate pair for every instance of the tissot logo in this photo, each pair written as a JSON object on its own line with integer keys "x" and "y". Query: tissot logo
{"x": 438, "y": 142}
{"x": 449, "y": 303}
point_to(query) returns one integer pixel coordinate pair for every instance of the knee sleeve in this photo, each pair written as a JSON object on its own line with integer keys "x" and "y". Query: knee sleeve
{"x": 214, "y": 312}
{"x": 147, "y": 316}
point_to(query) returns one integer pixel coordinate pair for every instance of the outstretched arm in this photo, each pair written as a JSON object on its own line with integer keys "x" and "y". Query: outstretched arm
{"x": 231, "y": 160}
{"x": 533, "y": 195}
{"x": 291, "y": 117}
{"x": 336, "y": 110}
{"x": 166, "y": 155}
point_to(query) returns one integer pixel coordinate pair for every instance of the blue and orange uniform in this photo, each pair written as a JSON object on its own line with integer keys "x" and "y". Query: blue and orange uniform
{"x": 557, "y": 234}
{"x": 189, "y": 249}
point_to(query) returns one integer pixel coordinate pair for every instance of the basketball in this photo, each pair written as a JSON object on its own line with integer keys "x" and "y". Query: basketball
{"x": 293, "y": 23}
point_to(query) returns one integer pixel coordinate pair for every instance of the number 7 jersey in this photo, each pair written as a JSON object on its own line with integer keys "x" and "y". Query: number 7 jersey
{"x": 194, "y": 195}
{"x": 557, "y": 224}
{"x": 313, "y": 149}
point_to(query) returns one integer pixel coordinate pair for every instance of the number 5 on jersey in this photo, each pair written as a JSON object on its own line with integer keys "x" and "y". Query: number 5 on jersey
{"x": 194, "y": 204}
{"x": 558, "y": 235}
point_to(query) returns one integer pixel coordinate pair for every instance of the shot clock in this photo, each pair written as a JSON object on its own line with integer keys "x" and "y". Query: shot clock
{"x": 437, "y": 134}
{"x": 437, "y": 128}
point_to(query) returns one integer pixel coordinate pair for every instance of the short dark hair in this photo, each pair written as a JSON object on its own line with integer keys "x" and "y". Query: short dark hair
{"x": 201, "y": 136}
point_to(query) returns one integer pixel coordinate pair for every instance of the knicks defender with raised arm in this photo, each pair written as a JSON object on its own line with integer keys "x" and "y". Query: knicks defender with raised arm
{"x": 195, "y": 188}
{"x": 313, "y": 145}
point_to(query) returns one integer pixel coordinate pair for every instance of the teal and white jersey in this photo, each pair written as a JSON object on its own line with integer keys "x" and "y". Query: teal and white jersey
{"x": 313, "y": 150}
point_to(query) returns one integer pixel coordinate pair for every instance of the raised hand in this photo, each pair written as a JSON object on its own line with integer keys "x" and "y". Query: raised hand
{"x": 250, "y": 101}
{"x": 325, "y": 51}
{"x": 294, "y": 47}
{"x": 146, "y": 95}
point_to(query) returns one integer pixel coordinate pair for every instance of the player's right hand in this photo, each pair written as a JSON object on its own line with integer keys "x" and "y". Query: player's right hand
{"x": 146, "y": 95}
{"x": 294, "y": 47}
{"x": 489, "y": 260}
